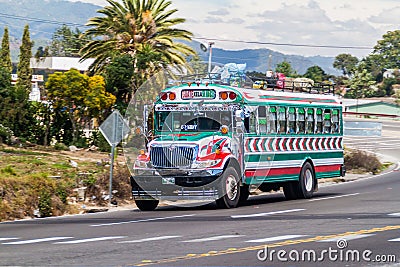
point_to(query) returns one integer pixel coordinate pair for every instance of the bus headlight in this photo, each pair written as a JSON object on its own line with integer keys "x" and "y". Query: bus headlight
{"x": 205, "y": 163}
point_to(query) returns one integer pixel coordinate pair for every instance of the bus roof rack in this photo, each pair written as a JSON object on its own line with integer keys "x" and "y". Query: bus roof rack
{"x": 302, "y": 85}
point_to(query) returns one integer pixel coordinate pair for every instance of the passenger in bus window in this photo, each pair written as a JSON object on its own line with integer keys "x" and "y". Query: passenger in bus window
{"x": 292, "y": 121}
{"x": 319, "y": 121}
{"x": 282, "y": 120}
{"x": 301, "y": 122}
{"x": 272, "y": 122}
{"x": 310, "y": 121}
{"x": 335, "y": 121}
{"x": 327, "y": 121}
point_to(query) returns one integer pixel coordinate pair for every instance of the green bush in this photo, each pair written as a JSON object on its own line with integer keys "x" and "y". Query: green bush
{"x": 359, "y": 160}
{"x": 45, "y": 204}
{"x": 5, "y": 134}
{"x": 60, "y": 146}
{"x": 99, "y": 141}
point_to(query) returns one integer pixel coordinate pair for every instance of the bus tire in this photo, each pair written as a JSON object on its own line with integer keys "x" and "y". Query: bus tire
{"x": 230, "y": 189}
{"x": 307, "y": 181}
{"x": 146, "y": 205}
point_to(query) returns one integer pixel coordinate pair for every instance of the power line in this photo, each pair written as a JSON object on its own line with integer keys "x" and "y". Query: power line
{"x": 284, "y": 44}
{"x": 4, "y": 15}
{"x": 196, "y": 38}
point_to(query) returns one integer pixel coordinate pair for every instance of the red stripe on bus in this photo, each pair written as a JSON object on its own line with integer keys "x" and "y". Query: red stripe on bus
{"x": 272, "y": 172}
{"x": 328, "y": 168}
{"x": 291, "y": 170}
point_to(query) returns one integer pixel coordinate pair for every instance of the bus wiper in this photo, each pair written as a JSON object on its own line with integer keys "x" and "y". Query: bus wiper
{"x": 198, "y": 105}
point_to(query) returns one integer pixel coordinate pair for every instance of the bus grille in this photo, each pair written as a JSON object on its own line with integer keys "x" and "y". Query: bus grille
{"x": 172, "y": 156}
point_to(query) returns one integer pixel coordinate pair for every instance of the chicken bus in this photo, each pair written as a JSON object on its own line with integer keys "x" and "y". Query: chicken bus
{"x": 210, "y": 141}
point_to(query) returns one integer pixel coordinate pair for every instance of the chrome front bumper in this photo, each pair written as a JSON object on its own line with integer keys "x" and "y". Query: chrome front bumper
{"x": 173, "y": 184}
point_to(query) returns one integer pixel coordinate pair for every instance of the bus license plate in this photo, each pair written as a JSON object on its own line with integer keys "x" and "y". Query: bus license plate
{"x": 168, "y": 180}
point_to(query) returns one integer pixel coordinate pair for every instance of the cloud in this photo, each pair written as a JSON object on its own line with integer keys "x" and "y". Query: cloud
{"x": 387, "y": 16}
{"x": 219, "y": 12}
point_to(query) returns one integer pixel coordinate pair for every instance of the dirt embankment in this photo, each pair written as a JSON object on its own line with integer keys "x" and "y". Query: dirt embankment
{"x": 39, "y": 181}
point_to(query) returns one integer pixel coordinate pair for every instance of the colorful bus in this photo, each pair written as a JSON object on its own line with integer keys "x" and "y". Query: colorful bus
{"x": 216, "y": 142}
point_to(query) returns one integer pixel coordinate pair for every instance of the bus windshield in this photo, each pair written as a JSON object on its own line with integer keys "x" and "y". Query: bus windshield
{"x": 191, "y": 121}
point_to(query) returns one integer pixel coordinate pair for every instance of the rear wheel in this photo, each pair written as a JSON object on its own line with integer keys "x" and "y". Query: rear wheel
{"x": 304, "y": 188}
{"x": 307, "y": 181}
{"x": 146, "y": 205}
{"x": 230, "y": 189}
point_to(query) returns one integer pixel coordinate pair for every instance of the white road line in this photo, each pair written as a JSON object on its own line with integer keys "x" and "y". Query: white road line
{"x": 143, "y": 220}
{"x": 398, "y": 167}
{"x": 90, "y": 240}
{"x": 213, "y": 238}
{"x": 395, "y": 214}
{"x": 325, "y": 198}
{"x": 394, "y": 240}
{"x": 264, "y": 214}
{"x": 151, "y": 239}
{"x": 8, "y": 238}
{"x": 273, "y": 239}
{"x": 346, "y": 237}
{"x": 39, "y": 240}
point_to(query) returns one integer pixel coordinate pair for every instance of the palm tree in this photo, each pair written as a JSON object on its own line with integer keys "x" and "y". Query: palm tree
{"x": 142, "y": 29}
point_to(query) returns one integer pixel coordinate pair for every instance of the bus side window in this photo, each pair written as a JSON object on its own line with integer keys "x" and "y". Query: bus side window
{"x": 282, "y": 120}
{"x": 327, "y": 121}
{"x": 292, "y": 121}
{"x": 262, "y": 119}
{"x": 301, "y": 121}
{"x": 335, "y": 121}
{"x": 310, "y": 121}
{"x": 271, "y": 122}
{"x": 319, "y": 121}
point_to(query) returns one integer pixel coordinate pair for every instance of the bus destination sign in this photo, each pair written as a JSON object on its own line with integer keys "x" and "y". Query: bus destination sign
{"x": 198, "y": 94}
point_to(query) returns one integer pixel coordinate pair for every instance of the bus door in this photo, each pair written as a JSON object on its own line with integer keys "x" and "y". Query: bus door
{"x": 238, "y": 140}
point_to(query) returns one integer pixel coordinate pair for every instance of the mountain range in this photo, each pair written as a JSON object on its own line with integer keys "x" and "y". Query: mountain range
{"x": 45, "y": 16}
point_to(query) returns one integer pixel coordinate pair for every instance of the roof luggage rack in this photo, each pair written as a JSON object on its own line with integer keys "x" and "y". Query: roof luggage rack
{"x": 302, "y": 85}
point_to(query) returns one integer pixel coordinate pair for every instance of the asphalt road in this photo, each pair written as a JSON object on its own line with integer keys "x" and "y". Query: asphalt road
{"x": 342, "y": 221}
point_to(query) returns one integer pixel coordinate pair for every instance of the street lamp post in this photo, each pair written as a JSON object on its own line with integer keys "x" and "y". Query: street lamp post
{"x": 210, "y": 44}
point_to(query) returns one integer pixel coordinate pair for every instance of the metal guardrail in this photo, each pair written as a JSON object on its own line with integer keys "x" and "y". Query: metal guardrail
{"x": 362, "y": 128}
{"x": 366, "y": 114}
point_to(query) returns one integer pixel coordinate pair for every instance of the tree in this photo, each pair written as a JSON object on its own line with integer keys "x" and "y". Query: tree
{"x": 117, "y": 75}
{"x": 66, "y": 42}
{"x": 373, "y": 64}
{"x": 5, "y": 56}
{"x": 198, "y": 66}
{"x": 361, "y": 84}
{"x": 24, "y": 71}
{"x": 388, "y": 50}
{"x": 315, "y": 73}
{"x": 78, "y": 96}
{"x": 143, "y": 29}
{"x": 346, "y": 63}
{"x": 285, "y": 68}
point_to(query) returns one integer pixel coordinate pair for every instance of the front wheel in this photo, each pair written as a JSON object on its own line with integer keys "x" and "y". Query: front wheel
{"x": 146, "y": 205}
{"x": 230, "y": 189}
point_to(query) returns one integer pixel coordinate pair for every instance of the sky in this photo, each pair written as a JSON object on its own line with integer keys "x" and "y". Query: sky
{"x": 273, "y": 23}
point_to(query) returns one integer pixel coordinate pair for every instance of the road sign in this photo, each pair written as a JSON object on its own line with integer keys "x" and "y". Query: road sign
{"x": 114, "y": 128}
